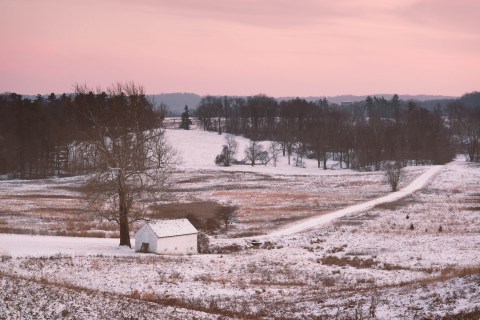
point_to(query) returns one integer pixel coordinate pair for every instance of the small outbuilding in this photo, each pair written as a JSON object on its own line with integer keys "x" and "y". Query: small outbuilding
{"x": 176, "y": 236}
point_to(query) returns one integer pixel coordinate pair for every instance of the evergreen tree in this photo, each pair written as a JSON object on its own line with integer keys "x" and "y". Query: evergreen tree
{"x": 186, "y": 122}
{"x": 395, "y": 105}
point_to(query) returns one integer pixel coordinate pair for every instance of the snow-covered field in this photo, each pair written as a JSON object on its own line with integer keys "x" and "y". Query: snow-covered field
{"x": 416, "y": 257}
{"x": 269, "y": 197}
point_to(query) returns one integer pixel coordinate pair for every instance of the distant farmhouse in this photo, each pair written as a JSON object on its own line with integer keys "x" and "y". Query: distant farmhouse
{"x": 176, "y": 236}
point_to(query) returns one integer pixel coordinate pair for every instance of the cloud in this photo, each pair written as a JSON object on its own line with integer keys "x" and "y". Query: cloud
{"x": 456, "y": 16}
{"x": 263, "y": 13}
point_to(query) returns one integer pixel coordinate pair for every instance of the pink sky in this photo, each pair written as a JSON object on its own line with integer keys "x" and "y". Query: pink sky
{"x": 242, "y": 47}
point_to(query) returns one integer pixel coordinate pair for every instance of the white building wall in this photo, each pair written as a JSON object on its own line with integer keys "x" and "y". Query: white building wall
{"x": 146, "y": 234}
{"x": 186, "y": 244}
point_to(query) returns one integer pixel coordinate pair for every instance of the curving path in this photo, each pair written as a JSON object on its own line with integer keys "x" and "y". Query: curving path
{"x": 314, "y": 222}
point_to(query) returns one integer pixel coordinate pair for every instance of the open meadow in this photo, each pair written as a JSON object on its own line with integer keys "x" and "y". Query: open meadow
{"x": 414, "y": 258}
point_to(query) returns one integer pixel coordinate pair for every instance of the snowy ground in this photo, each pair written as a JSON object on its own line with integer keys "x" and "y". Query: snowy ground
{"x": 417, "y": 257}
{"x": 269, "y": 197}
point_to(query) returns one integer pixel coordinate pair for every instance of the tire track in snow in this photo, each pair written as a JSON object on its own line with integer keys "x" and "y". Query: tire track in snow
{"x": 322, "y": 220}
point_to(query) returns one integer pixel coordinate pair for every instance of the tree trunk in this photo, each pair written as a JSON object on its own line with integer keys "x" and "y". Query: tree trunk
{"x": 123, "y": 211}
{"x": 125, "y": 233}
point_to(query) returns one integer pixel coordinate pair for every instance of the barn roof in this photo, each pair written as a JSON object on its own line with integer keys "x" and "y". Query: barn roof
{"x": 172, "y": 228}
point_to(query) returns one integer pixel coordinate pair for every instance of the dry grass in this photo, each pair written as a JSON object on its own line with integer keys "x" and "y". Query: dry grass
{"x": 352, "y": 262}
{"x": 265, "y": 202}
{"x": 395, "y": 205}
{"x": 44, "y": 196}
{"x": 200, "y": 209}
{"x": 452, "y": 272}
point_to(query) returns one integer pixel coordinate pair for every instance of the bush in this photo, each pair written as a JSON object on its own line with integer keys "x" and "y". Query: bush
{"x": 226, "y": 215}
{"x": 203, "y": 243}
{"x": 393, "y": 174}
{"x": 220, "y": 160}
{"x": 212, "y": 224}
{"x": 229, "y": 149}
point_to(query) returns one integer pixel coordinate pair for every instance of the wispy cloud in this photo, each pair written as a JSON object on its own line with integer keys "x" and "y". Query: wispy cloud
{"x": 264, "y": 13}
{"x": 454, "y": 16}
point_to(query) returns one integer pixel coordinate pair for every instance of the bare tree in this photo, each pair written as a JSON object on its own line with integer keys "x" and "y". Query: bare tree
{"x": 393, "y": 174}
{"x": 300, "y": 150}
{"x": 254, "y": 153}
{"x": 274, "y": 148}
{"x": 227, "y": 215}
{"x": 228, "y": 151}
{"x": 133, "y": 159}
{"x": 232, "y": 148}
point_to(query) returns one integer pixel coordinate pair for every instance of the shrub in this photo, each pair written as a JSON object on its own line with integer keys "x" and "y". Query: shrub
{"x": 393, "y": 174}
{"x": 135, "y": 294}
{"x": 203, "y": 243}
{"x": 212, "y": 224}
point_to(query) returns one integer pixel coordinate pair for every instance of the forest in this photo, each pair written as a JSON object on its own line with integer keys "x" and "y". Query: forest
{"x": 54, "y": 136}
{"x": 48, "y": 136}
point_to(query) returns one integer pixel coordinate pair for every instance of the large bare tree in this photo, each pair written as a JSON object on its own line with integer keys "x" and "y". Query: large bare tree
{"x": 133, "y": 159}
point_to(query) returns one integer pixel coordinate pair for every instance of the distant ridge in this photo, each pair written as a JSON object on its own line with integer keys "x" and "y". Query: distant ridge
{"x": 176, "y": 102}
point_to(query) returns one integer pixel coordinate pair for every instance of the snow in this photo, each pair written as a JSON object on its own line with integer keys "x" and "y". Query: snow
{"x": 172, "y": 227}
{"x": 355, "y": 254}
{"x": 198, "y": 150}
{"x": 416, "y": 185}
{"x": 17, "y": 245}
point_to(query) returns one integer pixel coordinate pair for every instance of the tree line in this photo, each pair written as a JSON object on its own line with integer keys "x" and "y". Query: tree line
{"x": 46, "y": 136}
{"x": 464, "y": 121}
{"x": 359, "y": 135}
{"x": 43, "y": 137}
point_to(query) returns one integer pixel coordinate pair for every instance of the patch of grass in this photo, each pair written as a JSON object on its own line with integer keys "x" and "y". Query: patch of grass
{"x": 391, "y": 267}
{"x": 463, "y": 315}
{"x": 231, "y": 248}
{"x": 473, "y": 208}
{"x": 348, "y": 222}
{"x": 200, "y": 209}
{"x": 453, "y": 272}
{"x": 286, "y": 283}
{"x": 197, "y": 179}
{"x": 45, "y": 196}
{"x": 250, "y": 233}
{"x": 337, "y": 249}
{"x": 5, "y": 257}
{"x": 394, "y": 205}
{"x": 352, "y": 262}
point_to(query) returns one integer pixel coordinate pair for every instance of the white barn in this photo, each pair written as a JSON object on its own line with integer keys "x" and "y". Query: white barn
{"x": 177, "y": 236}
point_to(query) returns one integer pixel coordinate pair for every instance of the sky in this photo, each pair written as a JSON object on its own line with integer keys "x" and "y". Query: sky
{"x": 242, "y": 47}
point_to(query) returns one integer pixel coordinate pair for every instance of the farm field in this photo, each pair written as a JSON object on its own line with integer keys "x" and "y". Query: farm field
{"x": 268, "y": 197}
{"x": 417, "y": 257}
